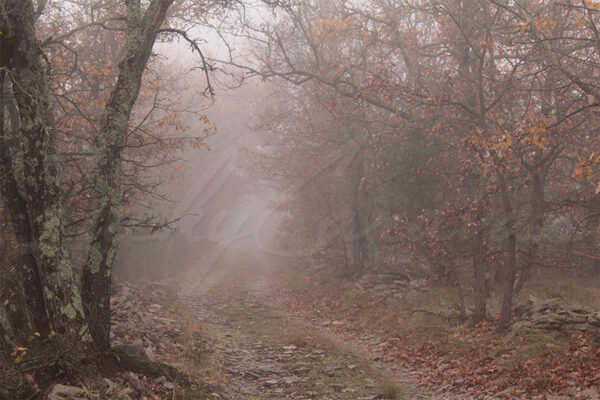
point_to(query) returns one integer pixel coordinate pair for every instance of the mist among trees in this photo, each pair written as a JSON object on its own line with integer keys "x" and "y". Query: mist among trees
{"x": 185, "y": 181}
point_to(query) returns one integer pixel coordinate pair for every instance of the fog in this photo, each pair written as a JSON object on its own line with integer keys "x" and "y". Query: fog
{"x": 324, "y": 199}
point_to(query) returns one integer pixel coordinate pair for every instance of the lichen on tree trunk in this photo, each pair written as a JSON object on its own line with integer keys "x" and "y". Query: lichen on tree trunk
{"x": 110, "y": 141}
{"x": 36, "y": 202}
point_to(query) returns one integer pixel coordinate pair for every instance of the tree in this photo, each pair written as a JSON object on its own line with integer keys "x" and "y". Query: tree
{"x": 479, "y": 93}
{"x": 44, "y": 295}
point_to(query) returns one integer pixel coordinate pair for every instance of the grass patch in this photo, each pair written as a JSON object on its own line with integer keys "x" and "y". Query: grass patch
{"x": 390, "y": 390}
{"x": 295, "y": 339}
{"x": 542, "y": 344}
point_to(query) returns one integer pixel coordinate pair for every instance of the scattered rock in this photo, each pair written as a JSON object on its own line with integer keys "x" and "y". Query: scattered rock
{"x": 125, "y": 392}
{"x": 590, "y": 394}
{"x": 337, "y": 387}
{"x": 160, "y": 380}
{"x": 63, "y": 392}
{"x": 149, "y": 353}
{"x": 553, "y": 314}
{"x": 132, "y": 350}
{"x": 290, "y": 380}
{"x": 134, "y": 381}
{"x": 505, "y": 393}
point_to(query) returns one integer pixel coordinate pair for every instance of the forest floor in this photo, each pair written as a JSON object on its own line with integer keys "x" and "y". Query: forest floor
{"x": 271, "y": 332}
{"x": 256, "y": 349}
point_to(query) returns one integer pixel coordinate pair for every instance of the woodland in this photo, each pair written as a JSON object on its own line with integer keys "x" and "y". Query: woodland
{"x": 436, "y": 170}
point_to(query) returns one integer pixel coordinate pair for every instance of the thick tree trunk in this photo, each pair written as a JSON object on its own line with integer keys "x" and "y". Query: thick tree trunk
{"x": 36, "y": 205}
{"x": 22, "y": 313}
{"x": 96, "y": 284}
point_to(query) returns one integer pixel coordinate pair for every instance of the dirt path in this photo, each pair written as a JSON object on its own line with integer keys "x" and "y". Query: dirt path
{"x": 261, "y": 352}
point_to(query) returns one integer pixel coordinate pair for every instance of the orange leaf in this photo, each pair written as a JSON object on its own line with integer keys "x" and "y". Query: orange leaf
{"x": 579, "y": 172}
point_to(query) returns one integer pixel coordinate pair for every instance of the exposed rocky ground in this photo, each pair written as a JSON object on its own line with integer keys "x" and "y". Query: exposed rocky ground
{"x": 263, "y": 355}
{"x": 541, "y": 360}
{"x": 554, "y": 314}
{"x": 146, "y": 326}
{"x": 247, "y": 335}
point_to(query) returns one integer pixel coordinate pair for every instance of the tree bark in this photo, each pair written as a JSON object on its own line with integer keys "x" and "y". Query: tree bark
{"x": 96, "y": 281}
{"x": 479, "y": 268}
{"x": 511, "y": 252}
{"x": 36, "y": 203}
{"x": 359, "y": 242}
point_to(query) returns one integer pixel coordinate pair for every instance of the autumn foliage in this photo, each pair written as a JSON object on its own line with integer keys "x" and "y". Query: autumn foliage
{"x": 456, "y": 135}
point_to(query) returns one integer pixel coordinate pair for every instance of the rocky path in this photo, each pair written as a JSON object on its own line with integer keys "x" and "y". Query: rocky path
{"x": 243, "y": 332}
{"x": 258, "y": 351}
{"x": 263, "y": 355}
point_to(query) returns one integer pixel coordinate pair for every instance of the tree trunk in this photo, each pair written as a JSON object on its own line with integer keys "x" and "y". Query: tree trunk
{"x": 537, "y": 201}
{"x": 479, "y": 268}
{"x": 36, "y": 204}
{"x": 359, "y": 243}
{"x": 96, "y": 281}
{"x": 511, "y": 251}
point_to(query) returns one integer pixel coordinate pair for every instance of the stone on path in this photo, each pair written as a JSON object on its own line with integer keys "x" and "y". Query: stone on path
{"x": 63, "y": 392}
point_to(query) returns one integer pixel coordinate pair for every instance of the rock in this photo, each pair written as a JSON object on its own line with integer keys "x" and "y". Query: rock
{"x": 270, "y": 369}
{"x": 337, "y": 323}
{"x": 134, "y": 381}
{"x": 590, "y": 394}
{"x": 325, "y": 323}
{"x": 382, "y": 287}
{"x": 149, "y": 353}
{"x": 290, "y": 380}
{"x": 553, "y": 314}
{"x": 252, "y": 374}
{"x": 132, "y": 350}
{"x": 505, "y": 393}
{"x": 125, "y": 392}
{"x": 63, "y": 392}
{"x": 515, "y": 329}
{"x": 109, "y": 383}
{"x": 271, "y": 382}
{"x": 169, "y": 385}
{"x": 160, "y": 380}
{"x": 337, "y": 387}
